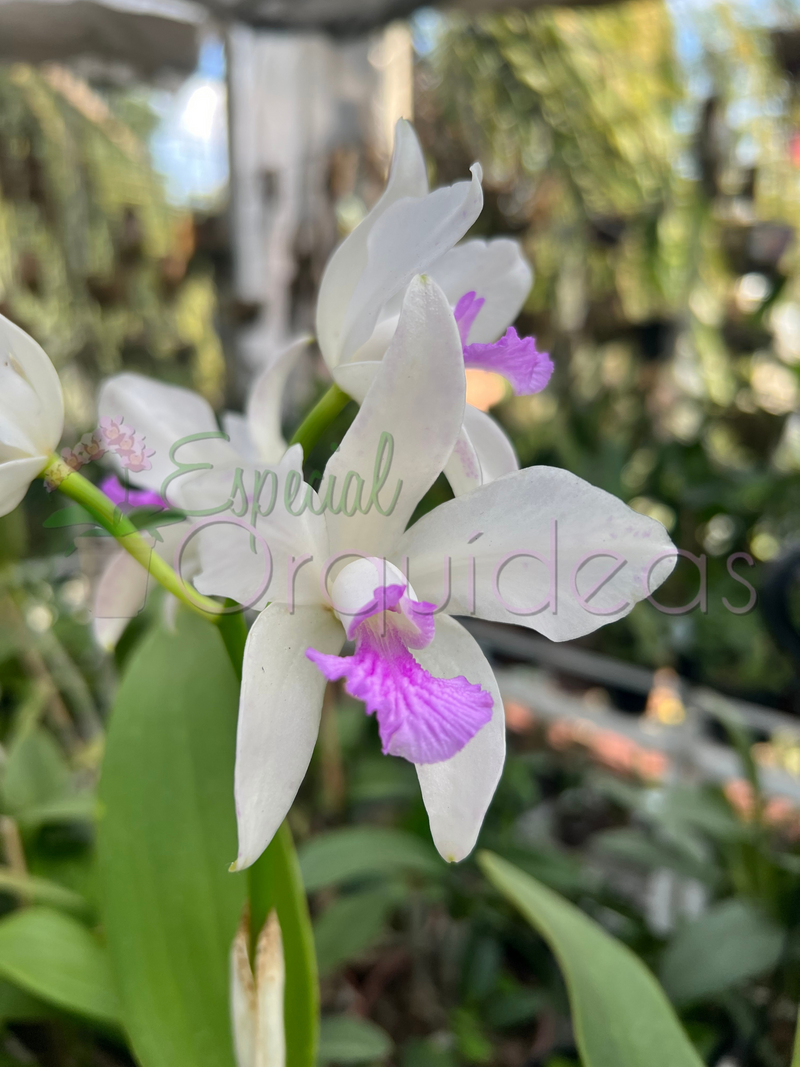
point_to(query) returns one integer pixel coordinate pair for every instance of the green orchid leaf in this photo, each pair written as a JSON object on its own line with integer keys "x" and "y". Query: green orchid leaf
{"x": 359, "y": 852}
{"x": 620, "y": 1014}
{"x": 353, "y": 923}
{"x": 56, "y": 959}
{"x": 728, "y": 944}
{"x": 166, "y": 837}
{"x": 345, "y": 1039}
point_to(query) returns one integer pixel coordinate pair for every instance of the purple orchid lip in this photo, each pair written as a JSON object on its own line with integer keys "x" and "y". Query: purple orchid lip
{"x": 422, "y": 718}
{"x": 123, "y": 496}
{"x": 516, "y": 358}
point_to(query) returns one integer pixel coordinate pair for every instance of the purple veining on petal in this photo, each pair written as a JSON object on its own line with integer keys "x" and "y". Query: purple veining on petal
{"x": 118, "y": 494}
{"x": 466, "y": 311}
{"x": 421, "y": 718}
{"x": 516, "y": 358}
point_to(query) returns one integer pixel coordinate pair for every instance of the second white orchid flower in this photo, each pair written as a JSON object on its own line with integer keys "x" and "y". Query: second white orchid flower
{"x": 411, "y": 231}
{"x": 166, "y": 415}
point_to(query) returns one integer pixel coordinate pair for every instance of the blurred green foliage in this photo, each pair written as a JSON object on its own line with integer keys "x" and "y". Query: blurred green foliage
{"x": 657, "y": 201}
{"x": 94, "y": 262}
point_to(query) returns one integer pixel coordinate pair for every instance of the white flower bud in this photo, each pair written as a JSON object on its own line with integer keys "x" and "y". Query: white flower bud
{"x": 257, "y": 999}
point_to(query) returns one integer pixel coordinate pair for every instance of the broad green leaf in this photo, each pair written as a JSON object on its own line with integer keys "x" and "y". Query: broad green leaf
{"x": 731, "y": 942}
{"x": 352, "y": 924}
{"x": 347, "y": 855}
{"x": 275, "y": 881}
{"x": 345, "y": 1039}
{"x": 620, "y": 1015}
{"x": 166, "y": 836}
{"x": 58, "y": 960}
{"x": 796, "y": 1052}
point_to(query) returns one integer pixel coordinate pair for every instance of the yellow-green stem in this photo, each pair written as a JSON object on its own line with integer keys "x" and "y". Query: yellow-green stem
{"x": 112, "y": 519}
{"x": 319, "y": 418}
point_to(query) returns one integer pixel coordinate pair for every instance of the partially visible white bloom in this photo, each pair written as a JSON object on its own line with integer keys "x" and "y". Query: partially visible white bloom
{"x": 166, "y": 414}
{"x": 411, "y": 231}
{"x": 259, "y": 1036}
{"x": 31, "y": 413}
{"x": 120, "y": 592}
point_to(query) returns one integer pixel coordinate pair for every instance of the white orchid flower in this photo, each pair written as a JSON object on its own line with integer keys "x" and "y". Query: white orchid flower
{"x": 259, "y": 1036}
{"x": 530, "y": 548}
{"x": 164, "y": 415}
{"x": 411, "y": 231}
{"x": 31, "y": 413}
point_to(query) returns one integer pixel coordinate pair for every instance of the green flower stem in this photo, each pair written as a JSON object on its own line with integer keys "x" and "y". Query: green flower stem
{"x": 112, "y": 519}
{"x": 319, "y": 418}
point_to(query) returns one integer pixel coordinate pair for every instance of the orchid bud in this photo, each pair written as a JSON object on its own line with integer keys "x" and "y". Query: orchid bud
{"x": 31, "y": 413}
{"x": 257, "y": 997}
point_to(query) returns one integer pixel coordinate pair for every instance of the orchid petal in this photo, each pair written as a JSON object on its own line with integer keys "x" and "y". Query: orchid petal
{"x": 516, "y": 358}
{"x": 123, "y": 585}
{"x": 235, "y": 425}
{"x": 356, "y": 378}
{"x": 407, "y": 178}
{"x": 119, "y": 597}
{"x": 458, "y": 791}
{"x": 165, "y": 414}
{"x": 494, "y": 450}
{"x": 542, "y": 541}
{"x": 496, "y": 271}
{"x": 416, "y": 402}
{"x": 253, "y": 557}
{"x": 20, "y": 409}
{"x": 482, "y": 453}
{"x": 463, "y": 468}
{"x": 15, "y": 477}
{"x": 16, "y": 347}
{"x": 279, "y": 713}
{"x": 264, "y": 403}
{"x": 421, "y": 717}
{"x": 404, "y": 241}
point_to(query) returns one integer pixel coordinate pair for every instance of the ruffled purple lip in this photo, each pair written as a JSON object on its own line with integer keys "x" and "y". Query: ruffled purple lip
{"x": 422, "y": 718}
{"x": 516, "y": 358}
